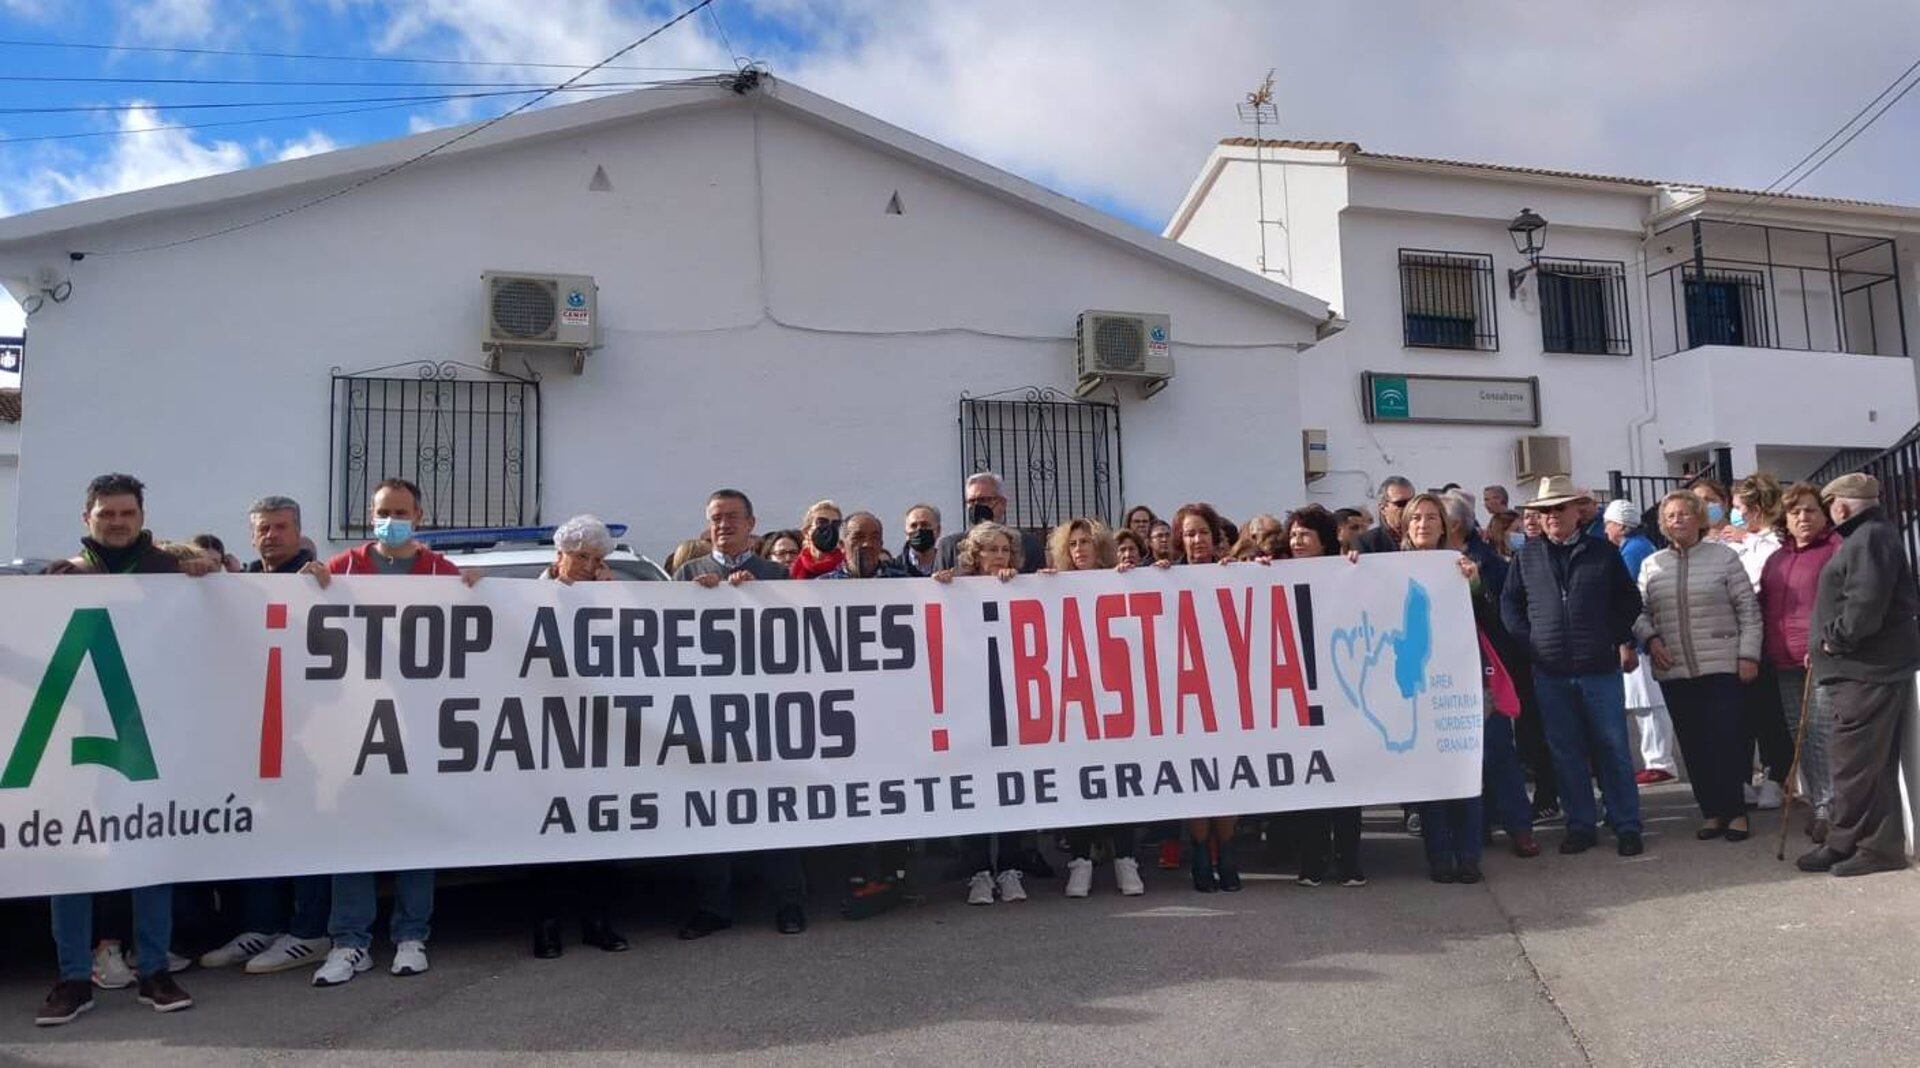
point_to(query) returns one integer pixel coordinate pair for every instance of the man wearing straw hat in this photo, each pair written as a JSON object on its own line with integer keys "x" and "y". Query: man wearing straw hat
{"x": 1570, "y": 599}
{"x": 1864, "y": 648}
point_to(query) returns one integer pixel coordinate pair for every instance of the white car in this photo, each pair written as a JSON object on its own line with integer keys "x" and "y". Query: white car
{"x": 525, "y": 552}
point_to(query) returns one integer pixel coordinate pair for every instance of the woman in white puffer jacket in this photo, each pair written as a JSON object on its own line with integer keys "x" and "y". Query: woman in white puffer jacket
{"x": 1701, "y": 626}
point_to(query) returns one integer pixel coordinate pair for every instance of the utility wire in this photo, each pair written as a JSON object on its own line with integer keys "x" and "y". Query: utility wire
{"x": 463, "y": 135}
{"x": 1773, "y": 188}
{"x": 90, "y": 80}
{"x": 202, "y": 105}
{"x": 336, "y": 58}
{"x": 201, "y": 125}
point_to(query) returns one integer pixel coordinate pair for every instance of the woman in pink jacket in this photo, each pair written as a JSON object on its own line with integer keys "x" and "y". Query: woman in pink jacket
{"x": 1788, "y": 584}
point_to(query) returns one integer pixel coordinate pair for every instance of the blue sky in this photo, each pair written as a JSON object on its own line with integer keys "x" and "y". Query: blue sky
{"x": 1115, "y": 102}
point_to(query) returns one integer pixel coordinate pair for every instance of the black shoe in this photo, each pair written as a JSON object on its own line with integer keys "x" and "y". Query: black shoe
{"x": 1865, "y": 863}
{"x": 1738, "y": 834}
{"x": 68, "y": 999}
{"x": 1577, "y": 842}
{"x": 599, "y": 935}
{"x": 546, "y": 940}
{"x": 701, "y": 925}
{"x": 1468, "y": 871}
{"x": 1353, "y": 877}
{"x": 1820, "y": 859}
{"x": 164, "y": 994}
{"x": 1631, "y": 844}
{"x": 1229, "y": 877}
{"x": 791, "y": 919}
{"x": 1709, "y": 833}
{"x": 1203, "y": 876}
{"x": 1442, "y": 870}
{"x": 1545, "y": 810}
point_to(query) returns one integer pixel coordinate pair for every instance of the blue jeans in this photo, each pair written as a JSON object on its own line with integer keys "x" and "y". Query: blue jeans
{"x": 152, "y": 932}
{"x": 355, "y": 900}
{"x": 1585, "y": 717}
{"x": 263, "y": 906}
{"x": 1503, "y": 786}
{"x": 1452, "y": 829}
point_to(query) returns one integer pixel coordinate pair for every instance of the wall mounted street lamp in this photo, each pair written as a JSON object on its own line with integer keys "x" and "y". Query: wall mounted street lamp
{"x": 1528, "y": 231}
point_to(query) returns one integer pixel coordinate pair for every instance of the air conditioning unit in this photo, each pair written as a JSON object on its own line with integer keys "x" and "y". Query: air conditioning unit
{"x": 528, "y": 311}
{"x": 1540, "y": 455}
{"x": 1123, "y": 345}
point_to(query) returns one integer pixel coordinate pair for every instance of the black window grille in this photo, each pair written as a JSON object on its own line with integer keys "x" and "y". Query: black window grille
{"x": 1583, "y": 307}
{"x": 1446, "y": 300}
{"x": 468, "y": 437}
{"x": 1726, "y": 306}
{"x": 1057, "y": 458}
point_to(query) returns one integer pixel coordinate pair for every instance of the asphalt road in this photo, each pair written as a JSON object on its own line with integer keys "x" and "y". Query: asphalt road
{"x": 1696, "y": 953}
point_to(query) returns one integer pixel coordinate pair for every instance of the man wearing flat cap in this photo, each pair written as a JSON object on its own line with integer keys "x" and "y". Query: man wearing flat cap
{"x": 1863, "y": 649}
{"x": 1570, "y": 600}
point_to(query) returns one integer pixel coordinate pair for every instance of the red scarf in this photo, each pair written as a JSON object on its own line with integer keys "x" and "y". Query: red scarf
{"x": 810, "y": 564}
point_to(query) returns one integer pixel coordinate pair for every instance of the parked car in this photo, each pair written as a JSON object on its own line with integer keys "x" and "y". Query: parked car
{"x": 525, "y": 552}
{"x": 26, "y": 567}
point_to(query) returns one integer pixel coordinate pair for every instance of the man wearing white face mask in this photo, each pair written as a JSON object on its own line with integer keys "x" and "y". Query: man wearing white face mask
{"x": 396, "y": 514}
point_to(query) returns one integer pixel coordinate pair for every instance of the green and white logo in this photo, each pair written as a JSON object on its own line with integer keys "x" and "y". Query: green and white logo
{"x": 1389, "y": 397}
{"x": 89, "y": 634}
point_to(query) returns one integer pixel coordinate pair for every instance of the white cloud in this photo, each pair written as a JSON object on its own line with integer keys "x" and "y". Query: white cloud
{"x": 1125, "y": 99}
{"x": 136, "y": 160}
{"x": 314, "y": 143}
{"x": 171, "y": 21}
{"x": 144, "y": 156}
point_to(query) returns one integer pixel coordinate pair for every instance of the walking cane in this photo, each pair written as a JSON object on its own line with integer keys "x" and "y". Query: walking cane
{"x": 1793, "y": 770}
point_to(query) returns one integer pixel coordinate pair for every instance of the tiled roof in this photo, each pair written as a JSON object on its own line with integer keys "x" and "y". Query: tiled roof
{"x": 9, "y": 405}
{"x": 1352, "y": 148}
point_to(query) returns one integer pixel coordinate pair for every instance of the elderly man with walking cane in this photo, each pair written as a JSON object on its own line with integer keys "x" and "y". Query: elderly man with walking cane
{"x": 1864, "y": 649}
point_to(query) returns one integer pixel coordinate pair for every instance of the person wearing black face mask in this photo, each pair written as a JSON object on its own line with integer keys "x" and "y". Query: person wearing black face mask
{"x": 920, "y": 555}
{"x": 987, "y": 503}
{"x": 820, "y": 551}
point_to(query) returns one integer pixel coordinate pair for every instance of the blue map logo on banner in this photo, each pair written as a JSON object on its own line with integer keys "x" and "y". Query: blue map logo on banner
{"x": 1384, "y": 672}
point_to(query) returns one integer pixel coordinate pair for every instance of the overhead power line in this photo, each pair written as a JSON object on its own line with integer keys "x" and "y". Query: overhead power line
{"x": 335, "y": 83}
{"x": 442, "y": 146}
{"x": 337, "y": 58}
{"x": 203, "y": 105}
{"x": 1775, "y": 187}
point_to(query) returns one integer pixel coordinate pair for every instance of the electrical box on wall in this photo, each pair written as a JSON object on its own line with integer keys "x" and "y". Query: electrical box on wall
{"x": 1313, "y": 452}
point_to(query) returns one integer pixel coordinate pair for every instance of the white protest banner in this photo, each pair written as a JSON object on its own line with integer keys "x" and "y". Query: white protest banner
{"x": 165, "y": 728}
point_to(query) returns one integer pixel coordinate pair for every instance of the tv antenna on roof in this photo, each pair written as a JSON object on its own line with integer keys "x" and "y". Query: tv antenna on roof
{"x": 1259, "y": 111}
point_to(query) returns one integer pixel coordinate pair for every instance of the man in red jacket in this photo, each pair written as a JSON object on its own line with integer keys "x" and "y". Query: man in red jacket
{"x": 396, "y": 514}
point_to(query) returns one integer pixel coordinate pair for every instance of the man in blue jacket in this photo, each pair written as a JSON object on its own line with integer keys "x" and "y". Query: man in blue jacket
{"x": 1569, "y": 600}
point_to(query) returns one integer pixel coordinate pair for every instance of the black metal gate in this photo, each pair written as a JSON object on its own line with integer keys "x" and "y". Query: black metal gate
{"x": 468, "y": 437}
{"x": 1057, "y": 457}
{"x": 1645, "y": 491}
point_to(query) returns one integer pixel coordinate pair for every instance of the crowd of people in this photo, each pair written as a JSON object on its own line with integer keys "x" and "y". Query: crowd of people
{"x": 1760, "y": 626}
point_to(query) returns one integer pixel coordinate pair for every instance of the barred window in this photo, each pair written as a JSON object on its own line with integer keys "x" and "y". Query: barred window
{"x": 1583, "y": 307}
{"x": 1446, "y": 300}
{"x": 468, "y": 437}
{"x": 1057, "y": 457}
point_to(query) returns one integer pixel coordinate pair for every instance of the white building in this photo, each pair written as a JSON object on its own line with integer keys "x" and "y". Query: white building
{"x": 1663, "y": 322}
{"x": 792, "y": 298}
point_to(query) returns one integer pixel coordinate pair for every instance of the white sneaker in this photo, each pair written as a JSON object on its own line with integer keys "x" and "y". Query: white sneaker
{"x": 287, "y": 952}
{"x": 1126, "y": 872}
{"x": 341, "y": 966}
{"x": 110, "y": 968}
{"x": 177, "y": 963}
{"x": 1079, "y": 877}
{"x": 1011, "y": 886}
{"x": 980, "y": 888}
{"x": 242, "y": 947}
{"x": 409, "y": 958}
{"x": 1769, "y": 795}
